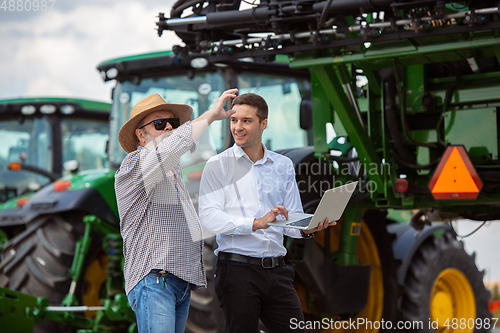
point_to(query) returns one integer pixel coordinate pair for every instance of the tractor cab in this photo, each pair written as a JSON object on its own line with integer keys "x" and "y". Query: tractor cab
{"x": 198, "y": 83}
{"x": 40, "y": 134}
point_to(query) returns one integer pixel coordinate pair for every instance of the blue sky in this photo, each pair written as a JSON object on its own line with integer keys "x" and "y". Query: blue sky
{"x": 55, "y": 53}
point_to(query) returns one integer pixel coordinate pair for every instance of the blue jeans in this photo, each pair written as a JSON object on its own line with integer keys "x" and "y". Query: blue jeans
{"x": 160, "y": 309}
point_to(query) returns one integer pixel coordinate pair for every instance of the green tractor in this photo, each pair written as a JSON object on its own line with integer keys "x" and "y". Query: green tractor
{"x": 398, "y": 95}
{"x": 43, "y": 139}
{"x": 411, "y": 91}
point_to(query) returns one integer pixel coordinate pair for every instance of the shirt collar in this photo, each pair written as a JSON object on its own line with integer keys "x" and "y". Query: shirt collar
{"x": 239, "y": 152}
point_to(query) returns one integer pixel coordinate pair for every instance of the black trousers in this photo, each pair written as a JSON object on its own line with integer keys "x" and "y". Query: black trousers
{"x": 249, "y": 292}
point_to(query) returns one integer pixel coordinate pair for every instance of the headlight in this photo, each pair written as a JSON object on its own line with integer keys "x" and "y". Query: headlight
{"x": 112, "y": 73}
{"x": 28, "y": 110}
{"x": 48, "y": 109}
{"x": 67, "y": 109}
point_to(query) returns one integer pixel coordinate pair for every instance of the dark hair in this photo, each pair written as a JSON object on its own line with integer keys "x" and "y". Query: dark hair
{"x": 254, "y": 100}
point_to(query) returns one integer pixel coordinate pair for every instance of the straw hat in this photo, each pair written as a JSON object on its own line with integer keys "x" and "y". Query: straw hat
{"x": 146, "y": 106}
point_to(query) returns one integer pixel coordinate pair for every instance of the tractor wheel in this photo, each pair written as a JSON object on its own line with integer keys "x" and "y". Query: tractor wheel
{"x": 205, "y": 314}
{"x": 374, "y": 249}
{"x": 444, "y": 290}
{"x": 36, "y": 262}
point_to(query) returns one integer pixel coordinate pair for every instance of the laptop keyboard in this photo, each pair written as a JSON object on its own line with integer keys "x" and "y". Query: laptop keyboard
{"x": 301, "y": 223}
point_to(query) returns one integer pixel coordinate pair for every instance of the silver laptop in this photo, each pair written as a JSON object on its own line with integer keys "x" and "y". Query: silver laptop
{"x": 332, "y": 205}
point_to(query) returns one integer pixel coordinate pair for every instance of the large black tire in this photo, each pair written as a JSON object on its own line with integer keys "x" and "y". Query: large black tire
{"x": 36, "y": 262}
{"x": 374, "y": 249}
{"x": 205, "y": 314}
{"x": 443, "y": 273}
{"x": 377, "y": 225}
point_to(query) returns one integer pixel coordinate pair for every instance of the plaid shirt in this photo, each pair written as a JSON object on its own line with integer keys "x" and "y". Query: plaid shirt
{"x": 158, "y": 223}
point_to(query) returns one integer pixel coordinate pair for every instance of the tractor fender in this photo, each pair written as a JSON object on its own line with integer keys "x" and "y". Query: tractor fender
{"x": 47, "y": 201}
{"x": 408, "y": 241}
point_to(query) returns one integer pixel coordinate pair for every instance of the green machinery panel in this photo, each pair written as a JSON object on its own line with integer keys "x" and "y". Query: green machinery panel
{"x": 480, "y": 142}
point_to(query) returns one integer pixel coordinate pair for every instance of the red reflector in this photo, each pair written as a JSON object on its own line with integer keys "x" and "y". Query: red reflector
{"x": 194, "y": 176}
{"x": 21, "y": 202}
{"x": 401, "y": 185}
{"x": 62, "y": 185}
{"x": 14, "y": 166}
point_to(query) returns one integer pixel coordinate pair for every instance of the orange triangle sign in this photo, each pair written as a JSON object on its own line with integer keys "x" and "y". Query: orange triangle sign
{"x": 455, "y": 177}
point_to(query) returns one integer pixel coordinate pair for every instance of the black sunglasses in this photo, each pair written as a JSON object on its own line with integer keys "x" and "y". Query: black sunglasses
{"x": 160, "y": 124}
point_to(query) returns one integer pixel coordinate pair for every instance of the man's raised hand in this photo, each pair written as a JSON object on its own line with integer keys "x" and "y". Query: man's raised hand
{"x": 217, "y": 110}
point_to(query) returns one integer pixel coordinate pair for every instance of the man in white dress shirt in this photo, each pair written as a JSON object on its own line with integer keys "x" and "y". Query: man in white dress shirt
{"x": 241, "y": 190}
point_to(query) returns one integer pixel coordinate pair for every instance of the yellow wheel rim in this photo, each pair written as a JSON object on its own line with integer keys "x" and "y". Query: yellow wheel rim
{"x": 367, "y": 255}
{"x": 452, "y": 306}
{"x": 95, "y": 276}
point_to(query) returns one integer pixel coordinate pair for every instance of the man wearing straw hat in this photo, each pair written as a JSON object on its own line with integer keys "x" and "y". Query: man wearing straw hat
{"x": 162, "y": 237}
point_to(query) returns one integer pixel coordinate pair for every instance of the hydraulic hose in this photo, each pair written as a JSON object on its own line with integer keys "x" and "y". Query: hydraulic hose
{"x": 180, "y": 5}
{"x": 452, "y": 87}
{"x": 392, "y": 119}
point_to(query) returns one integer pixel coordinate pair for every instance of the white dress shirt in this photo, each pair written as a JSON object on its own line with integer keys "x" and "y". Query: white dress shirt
{"x": 234, "y": 191}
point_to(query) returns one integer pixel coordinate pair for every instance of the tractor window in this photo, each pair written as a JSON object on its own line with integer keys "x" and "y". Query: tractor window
{"x": 85, "y": 141}
{"x": 199, "y": 92}
{"x": 283, "y": 97}
{"x": 28, "y": 142}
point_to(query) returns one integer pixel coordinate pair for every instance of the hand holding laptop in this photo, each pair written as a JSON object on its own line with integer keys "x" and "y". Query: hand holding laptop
{"x": 262, "y": 223}
{"x": 323, "y": 225}
{"x": 331, "y": 206}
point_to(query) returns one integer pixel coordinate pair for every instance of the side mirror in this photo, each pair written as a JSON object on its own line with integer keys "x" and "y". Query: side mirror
{"x": 71, "y": 166}
{"x": 306, "y": 118}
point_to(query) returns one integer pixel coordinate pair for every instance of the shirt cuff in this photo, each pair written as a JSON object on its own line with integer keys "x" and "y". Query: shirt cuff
{"x": 293, "y": 232}
{"x": 244, "y": 225}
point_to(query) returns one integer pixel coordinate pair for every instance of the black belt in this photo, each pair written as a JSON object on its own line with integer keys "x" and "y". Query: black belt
{"x": 266, "y": 262}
